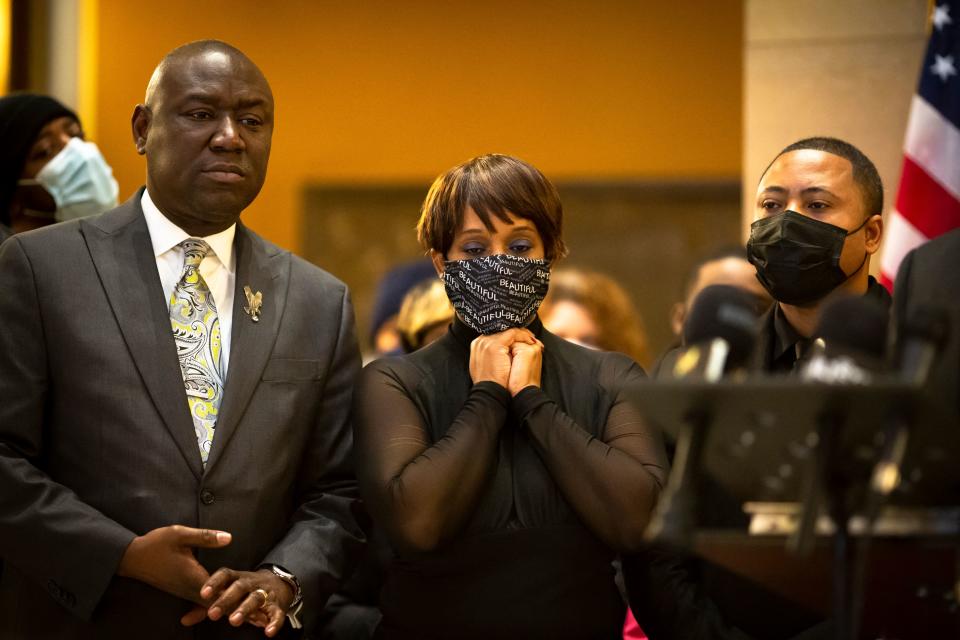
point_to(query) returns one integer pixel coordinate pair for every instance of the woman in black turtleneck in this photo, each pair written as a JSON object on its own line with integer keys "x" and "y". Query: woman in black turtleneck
{"x": 505, "y": 465}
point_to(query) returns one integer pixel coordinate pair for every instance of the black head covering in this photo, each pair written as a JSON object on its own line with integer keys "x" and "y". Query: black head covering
{"x": 22, "y": 116}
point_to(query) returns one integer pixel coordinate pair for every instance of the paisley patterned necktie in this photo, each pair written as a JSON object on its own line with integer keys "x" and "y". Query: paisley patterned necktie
{"x": 196, "y": 330}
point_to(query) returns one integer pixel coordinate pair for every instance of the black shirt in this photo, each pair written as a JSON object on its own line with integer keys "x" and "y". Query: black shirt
{"x": 782, "y": 346}
{"x": 505, "y": 512}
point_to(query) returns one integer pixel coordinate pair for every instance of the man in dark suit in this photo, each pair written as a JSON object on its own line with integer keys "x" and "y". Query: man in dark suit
{"x": 930, "y": 276}
{"x": 174, "y": 393}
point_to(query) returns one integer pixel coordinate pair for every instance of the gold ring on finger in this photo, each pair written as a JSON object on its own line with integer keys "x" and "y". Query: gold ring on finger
{"x": 263, "y": 596}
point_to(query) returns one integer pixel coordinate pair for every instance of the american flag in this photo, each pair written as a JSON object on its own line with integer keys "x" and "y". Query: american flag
{"x": 928, "y": 198}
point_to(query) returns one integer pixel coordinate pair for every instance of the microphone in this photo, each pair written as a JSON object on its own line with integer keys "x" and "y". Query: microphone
{"x": 919, "y": 340}
{"x": 849, "y": 349}
{"x": 850, "y": 343}
{"x": 720, "y": 334}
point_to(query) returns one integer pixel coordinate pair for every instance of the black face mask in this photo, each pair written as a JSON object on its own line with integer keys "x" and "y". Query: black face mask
{"x": 498, "y": 292}
{"x": 798, "y": 258}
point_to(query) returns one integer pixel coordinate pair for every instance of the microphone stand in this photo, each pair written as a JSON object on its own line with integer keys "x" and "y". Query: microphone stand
{"x": 821, "y": 483}
{"x": 674, "y": 518}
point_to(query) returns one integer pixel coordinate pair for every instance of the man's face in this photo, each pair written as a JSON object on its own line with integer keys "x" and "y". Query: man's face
{"x": 206, "y": 136}
{"x": 819, "y": 185}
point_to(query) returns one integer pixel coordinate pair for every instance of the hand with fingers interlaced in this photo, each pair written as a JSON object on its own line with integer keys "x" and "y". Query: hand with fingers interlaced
{"x": 258, "y": 597}
{"x": 491, "y": 356}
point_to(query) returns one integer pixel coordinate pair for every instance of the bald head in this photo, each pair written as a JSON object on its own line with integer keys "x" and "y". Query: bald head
{"x": 192, "y": 52}
{"x": 205, "y": 128}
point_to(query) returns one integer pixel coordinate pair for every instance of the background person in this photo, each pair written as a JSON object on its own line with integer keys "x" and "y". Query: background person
{"x": 385, "y": 338}
{"x": 504, "y": 464}
{"x": 48, "y": 171}
{"x": 591, "y": 309}
{"x": 725, "y": 265}
{"x": 425, "y": 315}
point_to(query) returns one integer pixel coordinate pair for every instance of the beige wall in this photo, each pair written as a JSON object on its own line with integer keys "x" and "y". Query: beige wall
{"x": 377, "y": 92}
{"x": 821, "y": 67}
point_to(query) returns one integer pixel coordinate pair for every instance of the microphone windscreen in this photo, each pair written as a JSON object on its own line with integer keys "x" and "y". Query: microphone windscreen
{"x": 854, "y": 326}
{"x": 921, "y": 337}
{"x": 723, "y": 311}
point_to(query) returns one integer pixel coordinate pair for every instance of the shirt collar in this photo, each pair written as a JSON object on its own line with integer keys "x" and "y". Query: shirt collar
{"x": 165, "y": 235}
{"x": 786, "y": 338}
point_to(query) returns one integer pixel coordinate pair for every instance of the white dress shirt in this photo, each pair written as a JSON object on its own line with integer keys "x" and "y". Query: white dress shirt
{"x": 218, "y": 268}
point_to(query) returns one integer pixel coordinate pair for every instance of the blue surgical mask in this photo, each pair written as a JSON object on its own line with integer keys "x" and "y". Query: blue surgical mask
{"x": 80, "y": 181}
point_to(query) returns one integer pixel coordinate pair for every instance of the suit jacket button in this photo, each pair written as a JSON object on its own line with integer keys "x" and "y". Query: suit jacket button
{"x": 207, "y": 497}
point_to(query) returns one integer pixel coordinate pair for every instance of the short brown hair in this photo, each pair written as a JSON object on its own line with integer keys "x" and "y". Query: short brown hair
{"x": 491, "y": 184}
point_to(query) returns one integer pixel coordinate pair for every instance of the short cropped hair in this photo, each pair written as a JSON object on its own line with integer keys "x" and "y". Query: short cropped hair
{"x": 492, "y": 184}
{"x": 864, "y": 172}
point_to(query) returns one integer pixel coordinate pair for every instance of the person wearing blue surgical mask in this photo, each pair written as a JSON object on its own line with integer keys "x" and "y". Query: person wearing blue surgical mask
{"x": 48, "y": 172}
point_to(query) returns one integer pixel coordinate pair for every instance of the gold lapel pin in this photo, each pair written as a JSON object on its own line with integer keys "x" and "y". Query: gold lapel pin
{"x": 254, "y": 302}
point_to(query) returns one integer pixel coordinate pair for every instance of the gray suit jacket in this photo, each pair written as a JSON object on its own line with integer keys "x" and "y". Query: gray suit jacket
{"x": 930, "y": 276}
{"x": 97, "y": 444}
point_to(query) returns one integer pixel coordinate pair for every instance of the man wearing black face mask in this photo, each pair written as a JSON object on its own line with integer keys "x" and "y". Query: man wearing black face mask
{"x": 817, "y": 223}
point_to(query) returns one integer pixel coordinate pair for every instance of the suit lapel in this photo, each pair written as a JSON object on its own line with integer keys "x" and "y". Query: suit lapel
{"x": 119, "y": 243}
{"x": 251, "y": 343}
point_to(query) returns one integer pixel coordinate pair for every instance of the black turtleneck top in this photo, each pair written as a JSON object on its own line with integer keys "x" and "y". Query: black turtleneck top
{"x": 504, "y": 512}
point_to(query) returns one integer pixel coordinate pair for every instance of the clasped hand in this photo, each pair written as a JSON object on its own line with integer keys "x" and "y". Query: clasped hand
{"x": 511, "y": 358}
{"x": 163, "y": 558}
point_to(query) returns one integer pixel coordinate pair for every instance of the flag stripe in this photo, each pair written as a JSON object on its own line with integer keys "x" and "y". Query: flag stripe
{"x": 934, "y": 144}
{"x": 900, "y": 238}
{"x": 925, "y": 203}
{"x": 928, "y": 198}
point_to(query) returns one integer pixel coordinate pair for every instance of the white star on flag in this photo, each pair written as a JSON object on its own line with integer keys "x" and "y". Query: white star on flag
{"x": 943, "y": 67}
{"x": 941, "y": 16}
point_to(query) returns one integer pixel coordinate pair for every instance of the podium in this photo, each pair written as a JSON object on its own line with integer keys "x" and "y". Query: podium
{"x": 826, "y": 456}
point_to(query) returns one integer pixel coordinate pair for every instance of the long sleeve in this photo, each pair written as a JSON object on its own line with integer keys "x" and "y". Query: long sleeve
{"x": 40, "y": 518}
{"x": 613, "y": 482}
{"x": 325, "y": 539}
{"x": 422, "y": 493}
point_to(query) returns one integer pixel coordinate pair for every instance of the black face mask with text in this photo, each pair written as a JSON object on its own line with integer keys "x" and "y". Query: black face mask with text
{"x": 798, "y": 258}
{"x": 498, "y": 292}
